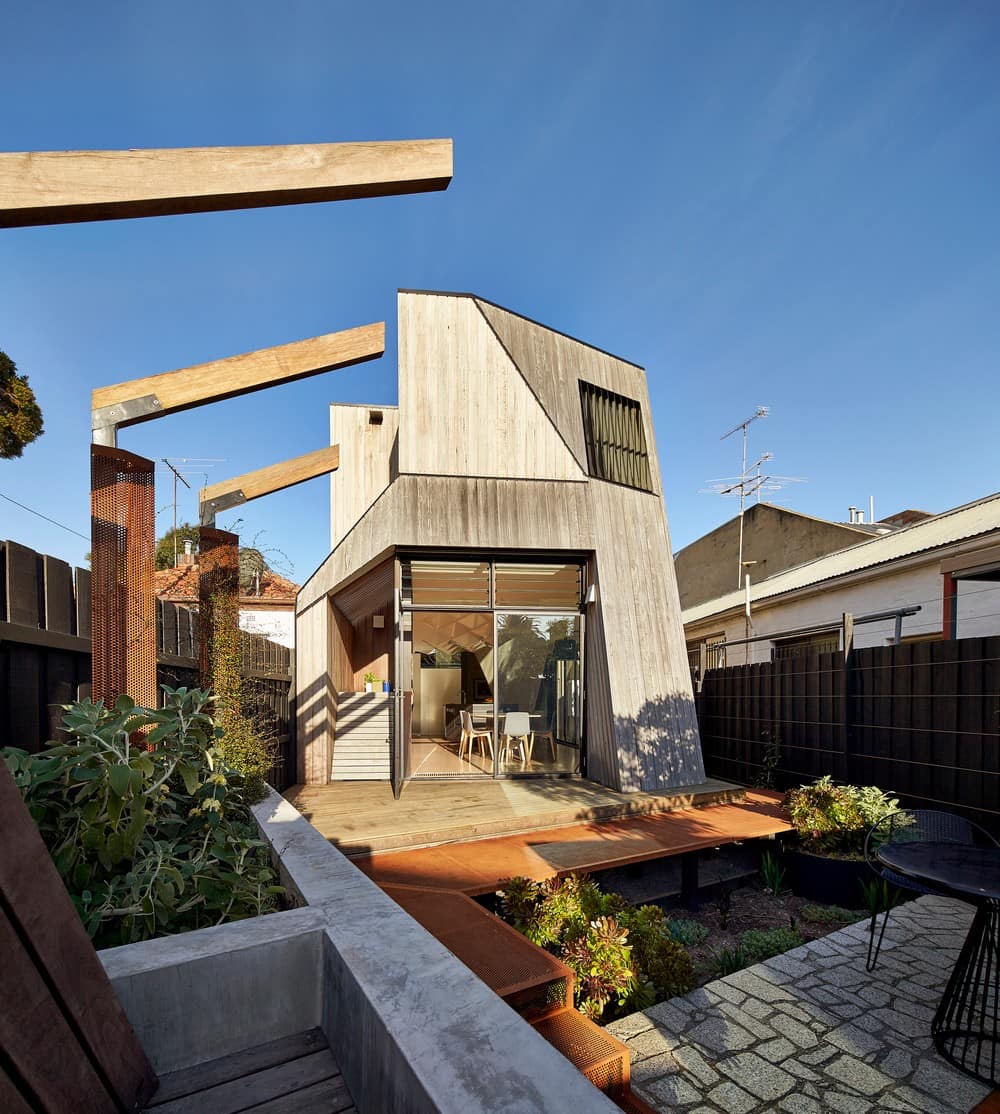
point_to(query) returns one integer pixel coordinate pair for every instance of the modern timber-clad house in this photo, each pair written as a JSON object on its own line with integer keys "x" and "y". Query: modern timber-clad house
{"x": 499, "y": 550}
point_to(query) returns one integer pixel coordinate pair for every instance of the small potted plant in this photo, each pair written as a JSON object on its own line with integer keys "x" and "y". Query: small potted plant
{"x": 831, "y": 822}
{"x": 370, "y": 682}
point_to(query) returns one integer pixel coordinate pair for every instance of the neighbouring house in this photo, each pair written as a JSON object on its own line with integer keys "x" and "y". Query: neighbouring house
{"x": 497, "y": 550}
{"x": 267, "y": 606}
{"x": 947, "y": 565}
{"x": 774, "y": 539}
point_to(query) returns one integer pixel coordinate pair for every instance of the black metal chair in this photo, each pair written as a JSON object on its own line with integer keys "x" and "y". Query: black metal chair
{"x": 913, "y": 825}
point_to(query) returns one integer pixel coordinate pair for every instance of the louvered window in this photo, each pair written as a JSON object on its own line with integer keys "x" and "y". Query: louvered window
{"x": 616, "y": 442}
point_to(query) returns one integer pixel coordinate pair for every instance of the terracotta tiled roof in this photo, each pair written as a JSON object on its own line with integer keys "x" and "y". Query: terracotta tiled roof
{"x": 181, "y": 586}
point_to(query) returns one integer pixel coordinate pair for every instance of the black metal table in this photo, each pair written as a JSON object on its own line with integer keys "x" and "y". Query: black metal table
{"x": 966, "y": 1027}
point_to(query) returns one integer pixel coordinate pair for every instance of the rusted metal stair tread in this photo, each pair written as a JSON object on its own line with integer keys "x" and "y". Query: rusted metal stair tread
{"x": 506, "y": 961}
{"x": 602, "y": 1058}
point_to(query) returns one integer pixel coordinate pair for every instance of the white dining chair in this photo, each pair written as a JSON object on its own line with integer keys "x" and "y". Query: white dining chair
{"x": 517, "y": 728}
{"x": 471, "y": 734}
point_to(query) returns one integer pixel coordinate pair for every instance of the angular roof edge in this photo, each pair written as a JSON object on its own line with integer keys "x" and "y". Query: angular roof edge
{"x": 967, "y": 521}
{"x": 524, "y": 317}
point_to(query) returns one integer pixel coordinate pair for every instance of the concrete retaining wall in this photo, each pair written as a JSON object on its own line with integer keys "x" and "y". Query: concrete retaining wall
{"x": 412, "y": 1028}
{"x": 205, "y": 994}
{"x": 414, "y": 1031}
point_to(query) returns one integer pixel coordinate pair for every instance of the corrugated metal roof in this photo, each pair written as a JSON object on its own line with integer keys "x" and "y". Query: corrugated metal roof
{"x": 956, "y": 525}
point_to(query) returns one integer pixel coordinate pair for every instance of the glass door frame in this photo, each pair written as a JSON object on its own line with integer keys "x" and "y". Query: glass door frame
{"x": 527, "y": 775}
{"x": 406, "y": 611}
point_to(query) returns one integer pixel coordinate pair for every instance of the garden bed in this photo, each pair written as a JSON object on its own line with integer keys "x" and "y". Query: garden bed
{"x": 749, "y": 907}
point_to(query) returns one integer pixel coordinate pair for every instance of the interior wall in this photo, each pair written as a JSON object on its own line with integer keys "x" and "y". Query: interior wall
{"x": 432, "y": 689}
{"x": 372, "y": 648}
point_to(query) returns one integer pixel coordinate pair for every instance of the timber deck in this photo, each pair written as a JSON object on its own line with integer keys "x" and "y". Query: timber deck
{"x": 477, "y": 867}
{"x": 361, "y": 817}
{"x": 294, "y": 1075}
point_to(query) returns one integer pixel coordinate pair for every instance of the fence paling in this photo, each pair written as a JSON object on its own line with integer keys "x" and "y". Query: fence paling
{"x": 45, "y": 654}
{"x": 920, "y": 719}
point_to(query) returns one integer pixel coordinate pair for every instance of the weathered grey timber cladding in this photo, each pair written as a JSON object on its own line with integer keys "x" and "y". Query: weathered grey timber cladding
{"x": 491, "y": 456}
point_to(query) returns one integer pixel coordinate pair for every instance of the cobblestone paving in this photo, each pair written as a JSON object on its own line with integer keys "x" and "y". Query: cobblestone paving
{"x": 812, "y": 1030}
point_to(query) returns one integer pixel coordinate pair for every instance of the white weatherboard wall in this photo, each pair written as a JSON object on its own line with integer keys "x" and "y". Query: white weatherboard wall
{"x": 278, "y": 626}
{"x": 978, "y": 610}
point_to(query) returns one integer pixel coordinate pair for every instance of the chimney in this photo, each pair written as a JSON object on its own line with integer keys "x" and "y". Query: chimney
{"x": 853, "y": 511}
{"x": 187, "y": 557}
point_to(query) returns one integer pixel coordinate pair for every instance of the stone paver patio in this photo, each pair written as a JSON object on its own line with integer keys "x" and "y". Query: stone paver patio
{"x": 812, "y": 1030}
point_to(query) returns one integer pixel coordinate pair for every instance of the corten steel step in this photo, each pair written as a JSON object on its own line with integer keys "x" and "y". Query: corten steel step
{"x": 530, "y": 980}
{"x": 526, "y": 977}
{"x": 602, "y": 1058}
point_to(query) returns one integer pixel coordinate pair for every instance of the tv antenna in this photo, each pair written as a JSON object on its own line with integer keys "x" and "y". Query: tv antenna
{"x": 750, "y": 481}
{"x": 208, "y": 461}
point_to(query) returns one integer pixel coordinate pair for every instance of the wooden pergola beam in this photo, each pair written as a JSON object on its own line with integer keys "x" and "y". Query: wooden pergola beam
{"x": 275, "y": 477}
{"x": 63, "y": 187}
{"x": 139, "y": 400}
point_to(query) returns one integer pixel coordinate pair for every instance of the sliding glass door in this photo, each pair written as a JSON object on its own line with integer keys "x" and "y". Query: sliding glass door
{"x": 539, "y": 693}
{"x": 493, "y": 653}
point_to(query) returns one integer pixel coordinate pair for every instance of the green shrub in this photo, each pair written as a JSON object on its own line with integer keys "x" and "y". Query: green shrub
{"x": 624, "y": 958}
{"x": 686, "y": 932}
{"x": 754, "y": 946}
{"x": 758, "y": 945}
{"x": 834, "y": 819}
{"x": 727, "y": 961}
{"x": 150, "y": 839}
{"x": 827, "y": 914}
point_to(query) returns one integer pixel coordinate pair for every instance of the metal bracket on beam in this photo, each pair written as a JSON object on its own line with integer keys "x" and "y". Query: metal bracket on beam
{"x": 208, "y": 511}
{"x": 108, "y": 417}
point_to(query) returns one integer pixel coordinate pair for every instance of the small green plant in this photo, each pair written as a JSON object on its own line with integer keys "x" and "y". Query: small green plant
{"x": 624, "y": 958}
{"x": 151, "y": 839}
{"x": 371, "y": 679}
{"x": 758, "y": 945}
{"x": 771, "y": 760}
{"x": 772, "y": 874}
{"x": 724, "y": 904}
{"x": 878, "y": 895}
{"x": 754, "y": 946}
{"x": 827, "y": 914}
{"x": 687, "y": 932}
{"x": 727, "y": 961}
{"x": 834, "y": 819}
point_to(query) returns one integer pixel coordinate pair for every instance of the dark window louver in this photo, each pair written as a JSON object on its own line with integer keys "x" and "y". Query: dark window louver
{"x": 616, "y": 443}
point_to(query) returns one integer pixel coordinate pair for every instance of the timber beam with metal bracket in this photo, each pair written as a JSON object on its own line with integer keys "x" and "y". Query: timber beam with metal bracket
{"x": 275, "y": 477}
{"x": 139, "y": 400}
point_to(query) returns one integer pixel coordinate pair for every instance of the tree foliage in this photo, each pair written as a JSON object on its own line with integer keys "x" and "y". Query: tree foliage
{"x": 20, "y": 414}
{"x": 165, "y": 546}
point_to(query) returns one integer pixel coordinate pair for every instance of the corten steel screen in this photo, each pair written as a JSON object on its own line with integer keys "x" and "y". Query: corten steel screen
{"x": 123, "y": 560}
{"x": 218, "y": 590}
{"x": 616, "y": 442}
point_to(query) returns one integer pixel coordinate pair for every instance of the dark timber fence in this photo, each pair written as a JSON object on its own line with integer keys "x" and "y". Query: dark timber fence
{"x": 920, "y": 719}
{"x": 45, "y": 656}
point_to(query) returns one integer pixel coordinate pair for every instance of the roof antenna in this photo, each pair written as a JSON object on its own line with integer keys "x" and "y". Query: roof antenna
{"x": 751, "y": 481}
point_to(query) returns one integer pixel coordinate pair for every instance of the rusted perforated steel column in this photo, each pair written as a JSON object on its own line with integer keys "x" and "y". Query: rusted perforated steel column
{"x": 123, "y": 560}
{"x": 218, "y": 591}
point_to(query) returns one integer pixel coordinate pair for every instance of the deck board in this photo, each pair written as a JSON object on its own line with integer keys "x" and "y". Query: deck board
{"x": 477, "y": 867}
{"x": 362, "y": 817}
{"x": 295, "y": 1073}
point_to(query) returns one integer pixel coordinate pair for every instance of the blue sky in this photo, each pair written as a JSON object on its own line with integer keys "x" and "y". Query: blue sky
{"x": 788, "y": 204}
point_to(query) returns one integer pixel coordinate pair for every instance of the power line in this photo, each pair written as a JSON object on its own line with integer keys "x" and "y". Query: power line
{"x": 30, "y": 510}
